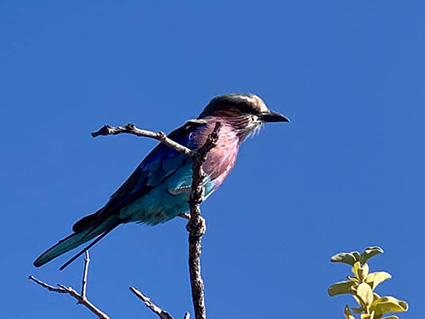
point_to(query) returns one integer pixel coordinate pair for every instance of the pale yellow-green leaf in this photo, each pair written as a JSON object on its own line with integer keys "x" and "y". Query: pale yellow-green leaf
{"x": 369, "y": 253}
{"x": 375, "y": 278}
{"x": 366, "y": 316}
{"x": 348, "y": 314}
{"x": 363, "y": 271}
{"x": 343, "y": 287}
{"x": 365, "y": 293}
{"x": 355, "y": 269}
{"x": 390, "y": 317}
{"x": 388, "y": 304}
{"x": 347, "y": 258}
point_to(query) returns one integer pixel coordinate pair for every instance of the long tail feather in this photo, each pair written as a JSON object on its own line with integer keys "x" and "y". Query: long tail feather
{"x": 94, "y": 242}
{"x": 72, "y": 241}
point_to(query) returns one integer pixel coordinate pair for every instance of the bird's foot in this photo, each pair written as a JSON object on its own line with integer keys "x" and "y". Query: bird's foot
{"x": 184, "y": 215}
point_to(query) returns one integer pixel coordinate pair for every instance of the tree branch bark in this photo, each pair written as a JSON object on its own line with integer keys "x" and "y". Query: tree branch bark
{"x": 148, "y": 302}
{"x": 196, "y": 225}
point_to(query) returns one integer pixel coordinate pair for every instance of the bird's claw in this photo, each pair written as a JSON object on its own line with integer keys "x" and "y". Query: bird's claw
{"x": 184, "y": 215}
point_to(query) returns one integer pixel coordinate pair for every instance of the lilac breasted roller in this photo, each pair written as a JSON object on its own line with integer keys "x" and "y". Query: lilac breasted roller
{"x": 159, "y": 188}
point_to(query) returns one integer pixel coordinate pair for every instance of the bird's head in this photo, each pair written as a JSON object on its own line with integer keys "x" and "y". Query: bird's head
{"x": 245, "y": 112}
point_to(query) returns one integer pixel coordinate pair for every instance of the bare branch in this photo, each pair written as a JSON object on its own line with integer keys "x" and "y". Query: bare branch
{"x": 132, "y": 129}
{"x": 186, "y": 315}
{"x": 148, "y": 302}
{"x": 86, "y": 270}
{"x": 81, "y": 298}
{"x": 196, "y": 225}
{"x": 47, "y": 286}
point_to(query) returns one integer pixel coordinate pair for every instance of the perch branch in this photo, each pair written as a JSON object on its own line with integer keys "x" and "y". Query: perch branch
{"x": 196, "y": 225}
{"x": 81, "y": 298}
{"x": 132, "y": 129}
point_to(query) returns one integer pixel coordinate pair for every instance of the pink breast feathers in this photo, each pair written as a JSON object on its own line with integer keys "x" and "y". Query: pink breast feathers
{"x": 221, "y": 159}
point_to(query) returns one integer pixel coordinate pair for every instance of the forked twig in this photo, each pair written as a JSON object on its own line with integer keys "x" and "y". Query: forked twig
{"x": 81, "y": 298}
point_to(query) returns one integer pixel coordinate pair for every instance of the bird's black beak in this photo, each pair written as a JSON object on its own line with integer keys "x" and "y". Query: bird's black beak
{"x": 270, "y": 116}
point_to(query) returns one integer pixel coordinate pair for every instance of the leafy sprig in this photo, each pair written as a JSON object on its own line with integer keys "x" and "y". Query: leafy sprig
{"x": 362, "y": 287}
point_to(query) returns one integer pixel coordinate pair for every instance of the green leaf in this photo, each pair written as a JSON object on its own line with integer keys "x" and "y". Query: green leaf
{"x": 391, "y": 317}
{"x": 348, "y": 314}
{"x": 356, "y": 255}
{"x": 375, "y": 278}
{"x": 347, "y": 258}
{"x": 388, "y": 304}
{"x": 365, "y": 294}
{"x": 342, "y": 287}
{"x": 369, "y": 253}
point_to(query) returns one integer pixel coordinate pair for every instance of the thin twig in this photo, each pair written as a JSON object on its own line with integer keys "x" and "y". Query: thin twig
{"x": 196, "y": 225}
{"x": 47, "y": 286}
{"x": 148, "y": 302}
{"x": 132, "y": 129}
{"x": 86, "y": 270}
{"x": 81, "y": 298}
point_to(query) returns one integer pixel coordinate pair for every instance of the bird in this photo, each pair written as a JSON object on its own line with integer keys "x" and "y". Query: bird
{"x": 159, "y": 188}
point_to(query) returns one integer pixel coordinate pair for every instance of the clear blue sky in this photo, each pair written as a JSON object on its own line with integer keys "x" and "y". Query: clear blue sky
{"x": 348, "y": 172}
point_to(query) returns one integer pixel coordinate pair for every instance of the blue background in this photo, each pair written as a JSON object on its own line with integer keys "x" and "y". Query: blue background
{"x": 347, "y": 173}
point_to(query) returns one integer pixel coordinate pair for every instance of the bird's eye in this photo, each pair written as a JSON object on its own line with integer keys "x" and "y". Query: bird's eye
{"x": 191, "y": 136}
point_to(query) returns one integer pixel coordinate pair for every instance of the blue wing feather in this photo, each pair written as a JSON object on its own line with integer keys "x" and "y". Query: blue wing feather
{"x": 147, "y": 195}
{"x": 161, "y": 163}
